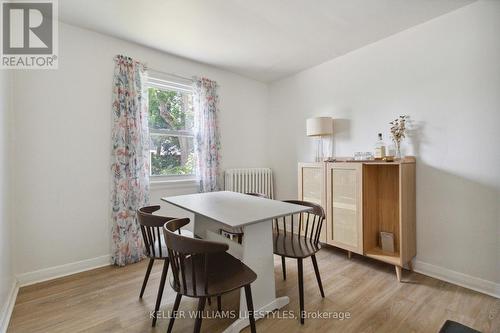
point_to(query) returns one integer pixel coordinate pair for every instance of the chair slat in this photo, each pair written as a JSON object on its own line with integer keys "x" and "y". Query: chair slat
{"x": 313, "y": 227}
{"x": 173, "y": 264}
{"x": 193, "y": 273}
{"x": 158, "y": 241}
{"x": 300, "y": 223}
{"x": 145, "y": 240}
{"x": 205, "y": 271}
{"x": 318, "y": 231}
{"x": 183, "y": 271}
{"x": 307, "y": 224}
{"x": 151, "y": 241}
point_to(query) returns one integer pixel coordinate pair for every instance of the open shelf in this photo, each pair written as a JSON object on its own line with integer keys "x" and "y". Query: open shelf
{"x": 381, "y": 210}
{"x": 377, "y": 253}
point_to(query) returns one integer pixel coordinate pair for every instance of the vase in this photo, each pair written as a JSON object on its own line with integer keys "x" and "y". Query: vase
{"x": 398, "y": 150}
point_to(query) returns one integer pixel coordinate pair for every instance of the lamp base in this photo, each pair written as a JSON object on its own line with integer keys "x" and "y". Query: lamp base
{"x": 319, "y": 150}
{"x": 323, "y": 153}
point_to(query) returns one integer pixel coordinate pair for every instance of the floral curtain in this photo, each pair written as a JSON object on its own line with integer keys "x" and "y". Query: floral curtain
{"x": 129, "y": 159}
{"x": 207, "y": 141}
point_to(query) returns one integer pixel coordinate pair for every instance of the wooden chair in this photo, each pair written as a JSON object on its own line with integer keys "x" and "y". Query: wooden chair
{"x": 152, "y": 234}
{"x": 202, "y": 269}
{"x": 301, "y": 241}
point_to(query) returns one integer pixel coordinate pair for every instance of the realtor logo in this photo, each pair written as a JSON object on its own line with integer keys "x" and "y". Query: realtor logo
{"x": 29, "y": 34}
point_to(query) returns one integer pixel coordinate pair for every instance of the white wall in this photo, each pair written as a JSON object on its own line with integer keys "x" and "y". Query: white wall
{"x": 6, "y": 271}
{"x": 62, "y": 146}
{"x": 445, "y": 74}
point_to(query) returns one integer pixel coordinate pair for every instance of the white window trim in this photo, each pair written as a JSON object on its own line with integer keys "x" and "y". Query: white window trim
{"x": 164, "y": 81}
{"x": 160, "y": 131}
{"x": 161, "y": 182}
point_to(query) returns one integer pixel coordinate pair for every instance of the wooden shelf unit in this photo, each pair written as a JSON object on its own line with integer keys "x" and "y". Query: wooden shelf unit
{"x": 362, "y": 199}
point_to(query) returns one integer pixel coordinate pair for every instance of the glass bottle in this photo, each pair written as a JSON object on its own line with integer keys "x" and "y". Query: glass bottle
{"x": 379, "y": 148}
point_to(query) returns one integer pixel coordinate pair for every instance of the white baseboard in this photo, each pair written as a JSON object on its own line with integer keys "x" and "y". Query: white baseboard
{"x": 467, "y": 281}
{"x": 6, "y": 312}
{"x": 50, "y": 273}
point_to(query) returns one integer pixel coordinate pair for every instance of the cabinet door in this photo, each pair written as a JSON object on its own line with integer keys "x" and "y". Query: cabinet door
{"x": 312, "y": 187}
{"x": 344, "y": 206}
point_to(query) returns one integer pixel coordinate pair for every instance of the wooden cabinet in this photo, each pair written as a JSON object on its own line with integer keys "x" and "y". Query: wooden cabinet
{"x": 363, "y": 199}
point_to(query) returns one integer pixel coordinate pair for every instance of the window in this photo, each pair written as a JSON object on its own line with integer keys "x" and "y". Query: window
{"x": 171, "y": 128}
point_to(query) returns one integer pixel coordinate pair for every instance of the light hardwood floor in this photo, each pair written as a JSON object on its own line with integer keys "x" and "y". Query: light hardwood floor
{"x": 106, "y": 300}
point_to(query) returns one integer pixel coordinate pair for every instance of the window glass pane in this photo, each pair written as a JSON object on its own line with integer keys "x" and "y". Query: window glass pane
{"x": 170, "y": 110}
{"x": 171, "y": 155}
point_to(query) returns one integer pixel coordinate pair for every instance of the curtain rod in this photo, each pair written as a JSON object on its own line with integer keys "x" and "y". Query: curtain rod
{"x": 190, "y": 79}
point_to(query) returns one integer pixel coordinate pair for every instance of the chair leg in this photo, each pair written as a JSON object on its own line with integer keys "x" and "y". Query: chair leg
{"x": 283, "y": 267}
{"x": 199, "y": 315}
{"x": 174, "y": 312}
{"x": 146, "y": 277}
{"x": 219, "y": 303}
{"x": 301, "y": 290}
{"x": 251, "y": 317}
{"x": 160, "y": 289}
{"x": 318, "y": 277}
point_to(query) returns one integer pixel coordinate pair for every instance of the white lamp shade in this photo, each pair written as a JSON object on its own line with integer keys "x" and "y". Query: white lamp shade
{"x": 319, "y": 126}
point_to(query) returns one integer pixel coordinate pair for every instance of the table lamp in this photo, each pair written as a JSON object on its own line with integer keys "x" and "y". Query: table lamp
{"x": 319, "y": 127}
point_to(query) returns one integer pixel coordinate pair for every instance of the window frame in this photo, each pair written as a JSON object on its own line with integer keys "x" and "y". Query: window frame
{"x": 166, "y": 82}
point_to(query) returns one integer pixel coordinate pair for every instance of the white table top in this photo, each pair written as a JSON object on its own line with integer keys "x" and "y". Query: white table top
{"x": 234, "y": 209}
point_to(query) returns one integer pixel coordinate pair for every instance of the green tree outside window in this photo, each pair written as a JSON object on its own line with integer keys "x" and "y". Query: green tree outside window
{"x": 171, "y": 126}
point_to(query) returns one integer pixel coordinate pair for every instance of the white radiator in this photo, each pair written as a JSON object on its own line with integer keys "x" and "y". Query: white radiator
{"x": 250, "y": 180}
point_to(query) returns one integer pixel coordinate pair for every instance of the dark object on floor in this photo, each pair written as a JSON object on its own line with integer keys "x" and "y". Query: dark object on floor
{"x": 454, "y": 327}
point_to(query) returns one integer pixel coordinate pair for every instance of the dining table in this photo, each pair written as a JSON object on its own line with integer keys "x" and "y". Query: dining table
{"x": 253, "y": 215}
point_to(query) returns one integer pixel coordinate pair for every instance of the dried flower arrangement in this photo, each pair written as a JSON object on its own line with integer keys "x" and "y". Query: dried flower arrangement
{"x": 398, "y": 132}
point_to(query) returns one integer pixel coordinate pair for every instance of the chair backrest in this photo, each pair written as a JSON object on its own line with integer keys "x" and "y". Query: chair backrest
{"x": 260, "y": 195}
{"x": 185, "y": 253}
{"x": 151, "y": 229}
{"x": 306, "y": 224}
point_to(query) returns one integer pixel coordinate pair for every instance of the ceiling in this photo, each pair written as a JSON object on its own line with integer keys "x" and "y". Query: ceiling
{"x": 261, "y": 39}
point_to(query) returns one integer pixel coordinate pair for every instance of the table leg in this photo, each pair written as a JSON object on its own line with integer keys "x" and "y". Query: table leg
{"x": 258, "y": 255}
